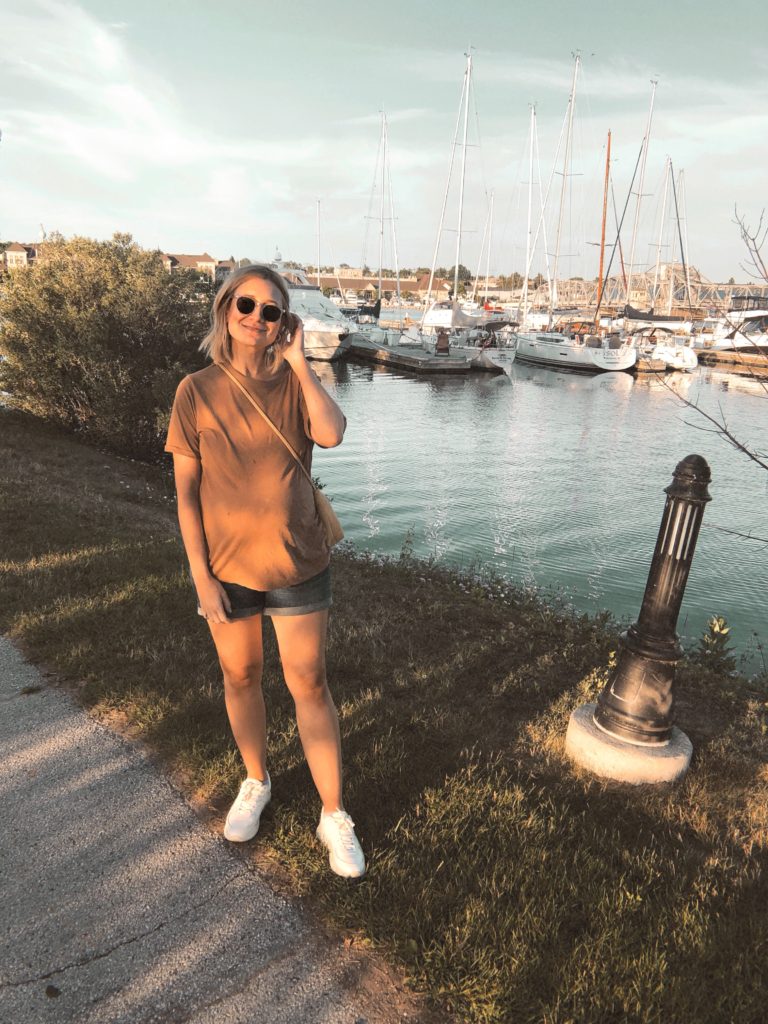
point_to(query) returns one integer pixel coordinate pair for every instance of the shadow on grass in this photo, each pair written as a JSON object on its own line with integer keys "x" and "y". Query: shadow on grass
{"x": 509, "y": 886}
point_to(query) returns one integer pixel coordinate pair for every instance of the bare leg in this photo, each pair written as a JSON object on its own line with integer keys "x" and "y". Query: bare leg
{"x": 239, "y": 647}
{"x": 301, "y": 639}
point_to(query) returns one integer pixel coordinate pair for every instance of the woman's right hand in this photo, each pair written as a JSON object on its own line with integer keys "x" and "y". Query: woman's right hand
{"x": 213, "y": 600}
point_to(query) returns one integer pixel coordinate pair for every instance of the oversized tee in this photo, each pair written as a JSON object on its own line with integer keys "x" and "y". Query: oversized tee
{"x": 258, "y": 508}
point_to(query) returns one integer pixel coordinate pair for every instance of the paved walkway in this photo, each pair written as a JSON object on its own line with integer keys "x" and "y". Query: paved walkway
{"x": 120, "y": 905}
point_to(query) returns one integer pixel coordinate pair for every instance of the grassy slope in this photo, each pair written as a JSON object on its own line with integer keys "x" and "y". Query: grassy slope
{"x": 509, "y": 886}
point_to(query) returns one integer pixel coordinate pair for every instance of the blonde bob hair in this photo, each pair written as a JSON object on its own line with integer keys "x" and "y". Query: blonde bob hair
{"x": 217, "y": 344}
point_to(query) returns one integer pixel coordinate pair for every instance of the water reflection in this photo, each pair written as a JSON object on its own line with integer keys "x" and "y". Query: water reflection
{"x": 552, "y": 479}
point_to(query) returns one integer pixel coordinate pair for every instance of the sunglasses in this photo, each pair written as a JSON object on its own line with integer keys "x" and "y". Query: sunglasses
{"x": 269, "y": 311}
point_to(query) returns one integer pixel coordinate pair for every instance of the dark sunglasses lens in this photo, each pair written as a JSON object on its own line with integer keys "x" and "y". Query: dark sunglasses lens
{"x": 271, "y": 313}
{"x": 245, "y": 305}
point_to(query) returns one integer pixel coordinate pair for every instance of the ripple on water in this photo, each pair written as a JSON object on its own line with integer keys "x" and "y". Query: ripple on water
{"x": 554, "y": 479}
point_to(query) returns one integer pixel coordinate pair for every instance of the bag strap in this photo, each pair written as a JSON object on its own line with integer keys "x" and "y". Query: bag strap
{"x": 266, "y": 418}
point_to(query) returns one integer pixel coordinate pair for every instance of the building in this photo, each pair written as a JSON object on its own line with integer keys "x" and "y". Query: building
{"x": 204, "y": 263}
{"x": 348, "y": 281}
{"x": 18, "y": 255}
{"x": 223, "y": 269}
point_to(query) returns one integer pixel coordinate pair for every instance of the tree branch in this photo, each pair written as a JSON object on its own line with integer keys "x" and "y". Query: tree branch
{"x": 719, "y": 427}
{"x": 734, "y": 533}
{"x": 754, "y": 242}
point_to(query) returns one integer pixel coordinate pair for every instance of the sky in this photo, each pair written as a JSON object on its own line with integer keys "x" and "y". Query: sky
{"x": 204, "y": 127}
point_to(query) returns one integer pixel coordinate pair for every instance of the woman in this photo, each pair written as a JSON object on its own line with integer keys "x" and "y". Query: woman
{"x": 253, "y": 539}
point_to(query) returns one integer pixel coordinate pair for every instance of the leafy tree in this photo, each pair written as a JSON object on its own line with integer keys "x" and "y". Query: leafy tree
{"x": 510, "y": 282}
{"x": 465, "y": 275}
{"x": 96, "y": 336}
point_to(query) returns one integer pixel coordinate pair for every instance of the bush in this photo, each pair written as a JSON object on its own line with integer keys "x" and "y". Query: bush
{"x": 96, "y": 336}
{"x": 713, "y": 650}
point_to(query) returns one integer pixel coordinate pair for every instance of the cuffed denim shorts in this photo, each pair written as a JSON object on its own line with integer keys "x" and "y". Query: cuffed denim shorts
{"x": 310, "y": 596}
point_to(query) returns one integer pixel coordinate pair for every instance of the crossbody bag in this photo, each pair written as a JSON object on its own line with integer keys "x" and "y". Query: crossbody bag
{"x": 333, "y": 530}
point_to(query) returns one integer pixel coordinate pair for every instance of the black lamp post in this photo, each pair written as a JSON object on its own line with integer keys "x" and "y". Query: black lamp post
{"x": 636, "y": 704}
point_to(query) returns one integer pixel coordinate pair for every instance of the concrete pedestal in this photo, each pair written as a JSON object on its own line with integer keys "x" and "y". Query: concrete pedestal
{"x": 605, "y": 755}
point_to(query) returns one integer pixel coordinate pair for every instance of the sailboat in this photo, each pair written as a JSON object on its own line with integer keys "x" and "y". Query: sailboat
{"x": 576, "y": 345}
{"x": 660, "y": 344}
{"x": 367, "y": 317}
{"x": 447, "y": 325}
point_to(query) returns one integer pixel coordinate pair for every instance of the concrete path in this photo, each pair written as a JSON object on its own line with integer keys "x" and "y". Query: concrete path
{"x": 119, "y": 905}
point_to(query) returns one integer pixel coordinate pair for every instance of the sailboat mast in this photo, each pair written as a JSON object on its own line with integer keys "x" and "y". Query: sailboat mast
{"x": 661, "y": 234}
{"x": 488, "y": 252}
{"x": 468, "y": 74}
{"x": 445, "y": 197}
{"x": 543, "y": 199}
{"x": 318, "y": 243}
{"x": 605, "y": 214}
{"x": 383, "y": 147}
{"x": 530, "y": 201}
{"x": 687, "y": 265}
{"x": 646, "y": 141}
{"x": 392, "y": 213}
{"x": 566, "y": 165}
{"x": 482, "y": 253}
{"x": 680, "y": 236}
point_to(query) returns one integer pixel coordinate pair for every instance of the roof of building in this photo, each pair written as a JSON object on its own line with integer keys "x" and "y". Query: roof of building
{"x": 185, "y": 260}
{"x": 359, "y": 284}
{"x": 422, "y": 283}
{"x": 15, "y": 247}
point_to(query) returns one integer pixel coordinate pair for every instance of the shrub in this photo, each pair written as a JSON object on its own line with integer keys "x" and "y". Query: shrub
{"x": 713, "y": 650}
{"x": 96, "y": 336}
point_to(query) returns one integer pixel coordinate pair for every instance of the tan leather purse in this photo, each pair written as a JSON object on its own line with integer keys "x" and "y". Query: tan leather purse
{"x": 333, "y": 530}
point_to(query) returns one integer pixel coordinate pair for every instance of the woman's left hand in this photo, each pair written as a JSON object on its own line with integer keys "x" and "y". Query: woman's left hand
{"x": 293, "y": 350}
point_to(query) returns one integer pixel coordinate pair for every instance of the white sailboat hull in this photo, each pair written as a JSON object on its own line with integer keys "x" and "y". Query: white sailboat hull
{"x": 326, "y": 345}
{"x": 560, "y": 350}
{"x": 676, "y": 357}
{"x": 487, "y": 357}
{"x": 661, "y": 346}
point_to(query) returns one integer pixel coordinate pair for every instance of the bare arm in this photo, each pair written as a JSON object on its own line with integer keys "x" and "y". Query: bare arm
{"x": 325, "y": 417}
{"x": 210, "y": 593}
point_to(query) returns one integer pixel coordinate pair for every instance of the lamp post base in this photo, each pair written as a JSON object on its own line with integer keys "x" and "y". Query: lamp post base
{"x": 612, "y": 758}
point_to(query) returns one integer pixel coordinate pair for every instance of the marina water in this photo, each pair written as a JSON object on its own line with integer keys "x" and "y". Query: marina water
{"x": 556, "y": 480}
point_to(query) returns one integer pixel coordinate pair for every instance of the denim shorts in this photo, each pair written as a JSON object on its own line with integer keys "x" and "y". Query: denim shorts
{"x": 310, "y": 596}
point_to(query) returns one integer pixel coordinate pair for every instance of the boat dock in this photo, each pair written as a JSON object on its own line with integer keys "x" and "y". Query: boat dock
{"x": 737, "y": 361}
{"x": 645, "y": 364}
{"x": 416, "y": 360}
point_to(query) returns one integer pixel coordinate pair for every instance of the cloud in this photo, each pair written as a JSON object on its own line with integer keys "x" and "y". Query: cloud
{"x": 393, "y": 117}
{"x": 86, "y": 99}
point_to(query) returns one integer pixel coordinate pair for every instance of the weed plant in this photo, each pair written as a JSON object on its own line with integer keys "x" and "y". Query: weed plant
{"x": 508, "y": 885}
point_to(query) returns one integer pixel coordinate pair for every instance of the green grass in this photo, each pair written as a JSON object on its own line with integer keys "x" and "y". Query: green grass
{"x": 507, "y": 885}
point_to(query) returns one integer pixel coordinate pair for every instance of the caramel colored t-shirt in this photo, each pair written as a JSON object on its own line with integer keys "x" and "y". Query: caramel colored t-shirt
{"x": 258, "y": 508}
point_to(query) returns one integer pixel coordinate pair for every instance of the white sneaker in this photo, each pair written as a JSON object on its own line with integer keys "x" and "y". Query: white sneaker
{"x": 244, "y": 815}
{"x": 337, "y": 832}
